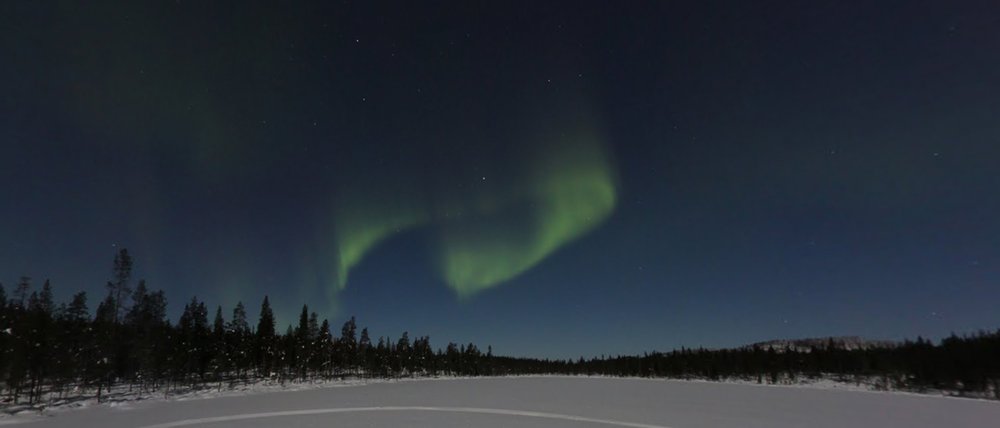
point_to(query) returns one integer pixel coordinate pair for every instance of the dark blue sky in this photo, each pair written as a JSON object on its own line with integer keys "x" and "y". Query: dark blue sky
{"x": 779, "y": 169}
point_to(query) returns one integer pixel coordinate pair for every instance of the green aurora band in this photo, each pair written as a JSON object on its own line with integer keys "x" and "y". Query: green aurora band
{"x": 365, "y": 226}
{"x": 483, "y": 239}
{"x": 572, "y": 191}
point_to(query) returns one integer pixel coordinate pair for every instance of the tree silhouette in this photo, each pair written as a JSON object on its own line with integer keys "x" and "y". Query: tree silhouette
{"x": 119, "y": 288}
{"x": 265, "y": 339}
{"x": 48, "y": 350}
{"x": 239, "y": 341}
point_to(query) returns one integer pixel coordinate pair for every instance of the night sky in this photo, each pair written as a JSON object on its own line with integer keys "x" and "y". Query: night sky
{"x": 556, "y": 180}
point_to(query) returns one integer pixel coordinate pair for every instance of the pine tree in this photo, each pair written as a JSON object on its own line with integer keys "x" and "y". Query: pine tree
{"x": 21, "y": 293}
{"x": 202, "y": 338}
{"x": 381, "y": 357}
{"x": 75, "y": 351}
{"x": 220, "y": 358}
{"x": 218, "y": 324}
{"x": 133, "y": 335}
{"x": 299, "y": 354}
{"x": 287, "y": 352}
{"x": 182, "y": 359}
{"x": 158, "y": 330}
{"x": 311, "y": 346}
{"x": 239, "y": 320}
{"x": 403, "y": 353}
{"x": 45, "y": 302}
{"x": 40, "y": 337}
{"x": 324, "y": 353}
{"x": 122, "y": 273}
{"x": 365, "y": 352}
{"x": 452, "y": 358}
{"x": 265, "y": 327}
{"x": 103, "y": 329}
{"x": 303, "y": 327}
{"x": 19, "y": 339}
{"x": 193, "y": 340}
{"x": 239, "y": 340}
{"x": 264, "y": 348}
{"x": 313, "y": 327}
{"x": 348, "y": 345}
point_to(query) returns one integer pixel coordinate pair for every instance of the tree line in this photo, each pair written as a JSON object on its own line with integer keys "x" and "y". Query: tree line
{"x": 130, "y": 344}
{"x": 965, "y": 365}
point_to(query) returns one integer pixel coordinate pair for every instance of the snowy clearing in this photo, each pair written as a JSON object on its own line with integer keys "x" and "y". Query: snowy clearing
{"x": 538, "y": 402}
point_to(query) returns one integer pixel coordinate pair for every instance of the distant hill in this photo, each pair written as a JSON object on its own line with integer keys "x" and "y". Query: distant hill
{"x": 845, "y": 343}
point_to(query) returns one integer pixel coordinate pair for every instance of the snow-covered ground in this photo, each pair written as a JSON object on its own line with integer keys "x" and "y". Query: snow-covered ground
{"x": 533, "y": 402}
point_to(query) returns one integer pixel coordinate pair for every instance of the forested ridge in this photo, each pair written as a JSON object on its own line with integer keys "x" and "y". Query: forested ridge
{"x": 51, "y": 350}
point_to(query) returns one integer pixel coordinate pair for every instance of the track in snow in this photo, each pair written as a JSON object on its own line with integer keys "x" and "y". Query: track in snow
{"x": 472, "y": 410}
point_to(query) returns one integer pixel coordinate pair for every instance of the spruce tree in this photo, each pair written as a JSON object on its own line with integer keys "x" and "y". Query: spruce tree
{"x": 103, "y": 329}
{"x": 75, "y": 351}
{"x": 239, "y": 340}
{"x": 300, "y": 351}
{"x": 265, "y": 327}
{"x": 313, "y": 327}
{"x": 122, "y": 273}
{"x": 202, "y": 338}
{"x": 403, "y": 353}
{"x": 40, "y": 338}
{"x": 324, "y": 353}
{"x": 20, "y": 297}
{"x": 365, "y": 351}
{"x": 348, "y": 344}
{"x": 264, "y": 348}
{"x": 19, "y": 340}
{"x": 220, "y": 358}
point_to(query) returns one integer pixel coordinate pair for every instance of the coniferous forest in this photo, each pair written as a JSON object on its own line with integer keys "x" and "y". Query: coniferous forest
{"x": 49, "y": 349}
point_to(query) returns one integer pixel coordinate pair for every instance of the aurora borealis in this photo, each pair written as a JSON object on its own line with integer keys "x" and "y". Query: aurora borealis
{"x": 554, "y": 180}
{"x": 572, "y": 193}
{"x": 487, "y": 236}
